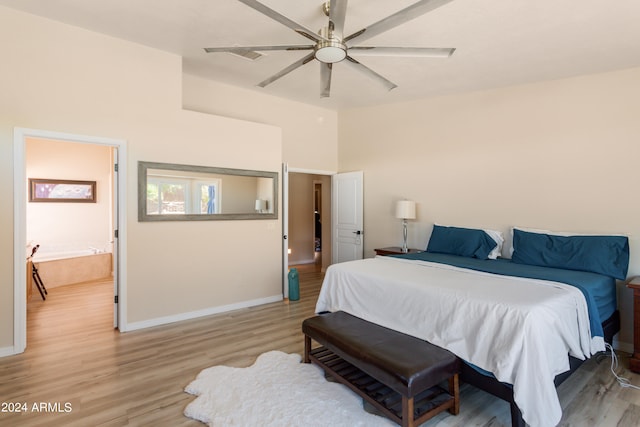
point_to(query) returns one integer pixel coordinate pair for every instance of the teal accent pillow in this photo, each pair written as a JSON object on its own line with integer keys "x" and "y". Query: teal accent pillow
{"x": 467, "y": 242}
{"x": 607, "y": 255}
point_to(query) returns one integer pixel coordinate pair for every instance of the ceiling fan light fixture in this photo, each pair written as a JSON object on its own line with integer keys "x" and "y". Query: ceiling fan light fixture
{"x": 330, "y": 50}
{"x": 330, "y": 54}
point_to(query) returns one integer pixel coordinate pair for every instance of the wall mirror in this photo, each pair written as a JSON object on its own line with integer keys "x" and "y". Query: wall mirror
{"x": 172, "y": 192}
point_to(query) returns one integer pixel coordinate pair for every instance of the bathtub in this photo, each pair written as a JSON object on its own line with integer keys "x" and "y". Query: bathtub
{"x": 71, "y": 267}
{"x": 53, "y": 256}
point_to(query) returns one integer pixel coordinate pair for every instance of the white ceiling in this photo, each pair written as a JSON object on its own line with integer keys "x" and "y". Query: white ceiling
{"x": 498, "y": 42}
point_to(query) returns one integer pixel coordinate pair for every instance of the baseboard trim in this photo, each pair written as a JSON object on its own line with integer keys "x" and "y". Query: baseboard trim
{"x": 622, "y": 346}
{"x": 302, "y": 262}
{"x": 199, "y": 313}
{"x": 7, "y": 351}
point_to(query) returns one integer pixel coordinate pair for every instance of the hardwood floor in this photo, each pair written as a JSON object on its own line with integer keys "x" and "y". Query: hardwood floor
{"x": 105, "y": 378}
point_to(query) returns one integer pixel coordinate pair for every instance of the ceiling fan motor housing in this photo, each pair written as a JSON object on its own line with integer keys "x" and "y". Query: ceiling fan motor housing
{"x": 326, "y": 8}
{"x": 330, "y": 50}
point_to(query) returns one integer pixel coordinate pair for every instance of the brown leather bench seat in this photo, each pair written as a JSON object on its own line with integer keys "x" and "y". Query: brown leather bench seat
{"x": 398, "y": 374}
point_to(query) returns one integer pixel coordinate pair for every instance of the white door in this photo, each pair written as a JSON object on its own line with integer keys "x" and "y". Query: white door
{"x": 347, "y": 216}
{"x": 114, "y": 238}
{"x": 285, "y": 230}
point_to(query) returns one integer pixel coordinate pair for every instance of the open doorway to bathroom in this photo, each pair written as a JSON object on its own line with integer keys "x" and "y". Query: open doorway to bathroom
{"x": 69, "y": 208}
{"x": 70, "y": 234}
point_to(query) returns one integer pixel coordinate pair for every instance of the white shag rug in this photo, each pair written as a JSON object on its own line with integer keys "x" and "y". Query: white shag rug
{"x": 277, "y": 390}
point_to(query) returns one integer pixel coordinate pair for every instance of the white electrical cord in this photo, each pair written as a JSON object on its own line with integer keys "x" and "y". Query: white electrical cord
{"x": 624, "y": 382}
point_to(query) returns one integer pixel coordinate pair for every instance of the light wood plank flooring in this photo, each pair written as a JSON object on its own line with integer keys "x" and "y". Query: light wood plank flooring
{"x": 137, "y": 378}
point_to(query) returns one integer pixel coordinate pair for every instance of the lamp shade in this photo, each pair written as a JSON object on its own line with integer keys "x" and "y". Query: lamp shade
{"x": 406, "y": 209}
{"x": 261, "y": 204}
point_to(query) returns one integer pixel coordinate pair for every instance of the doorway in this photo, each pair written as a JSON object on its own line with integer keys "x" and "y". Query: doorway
{"x": 309, "y": 219}
{"x": 33, "y": 154}
{"x": 317, "y": 220}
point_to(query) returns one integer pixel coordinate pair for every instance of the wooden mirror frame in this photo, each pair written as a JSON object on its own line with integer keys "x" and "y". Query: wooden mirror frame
{"x": 144, "y": 216}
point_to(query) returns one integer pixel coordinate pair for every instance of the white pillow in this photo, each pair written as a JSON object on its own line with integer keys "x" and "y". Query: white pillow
{"x": 499, "y": 239}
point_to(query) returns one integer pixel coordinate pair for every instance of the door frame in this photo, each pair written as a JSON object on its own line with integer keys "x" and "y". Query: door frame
{"x": 317, "y": 184}
{"x": 20, "y": 230}
{"x": 285, "y": 218}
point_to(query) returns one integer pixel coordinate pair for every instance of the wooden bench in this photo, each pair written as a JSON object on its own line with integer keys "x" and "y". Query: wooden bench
{"x": 398, "y": 374}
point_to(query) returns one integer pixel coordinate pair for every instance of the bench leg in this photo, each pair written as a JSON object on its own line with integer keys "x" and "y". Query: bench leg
{"x": 307, "y": 349}
{"x": 454, "y": 390}
{"x": 407, "y": 412}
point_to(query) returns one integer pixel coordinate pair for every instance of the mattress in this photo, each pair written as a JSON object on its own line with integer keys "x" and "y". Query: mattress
{"x": 599, "y": 290}
{"x": 516, "y": 327}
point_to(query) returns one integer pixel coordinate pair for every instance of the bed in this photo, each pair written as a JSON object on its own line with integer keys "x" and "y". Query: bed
{"x": 522, "y": 325}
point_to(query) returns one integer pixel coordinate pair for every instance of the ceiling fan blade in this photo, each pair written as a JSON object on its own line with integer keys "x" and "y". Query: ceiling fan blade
{"x": 235, "y": 49}
{"x": 398, "y": 18}
{"x": 337, "y": 13}
{"x": 287, "y": 70}
{"x": 300, "y": 29}
{"x": 325, "y": 79}
{"x": 420, "y": 52}
{"x": 369, "y": 72}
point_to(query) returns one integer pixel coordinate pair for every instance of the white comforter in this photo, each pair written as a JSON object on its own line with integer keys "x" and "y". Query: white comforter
{"x": 519, "y": 329}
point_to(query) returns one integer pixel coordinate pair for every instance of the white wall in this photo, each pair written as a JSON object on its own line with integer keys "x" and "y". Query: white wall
{"x": 61, "y": 78}
{"x": 557, "y": 155}
{"x": 309, "y": 133}
{"x": 70, "y": 226}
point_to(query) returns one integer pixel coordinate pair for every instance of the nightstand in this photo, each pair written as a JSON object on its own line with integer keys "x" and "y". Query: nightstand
{"x": 395, "y": 250}
{"x": 634, "y": 361}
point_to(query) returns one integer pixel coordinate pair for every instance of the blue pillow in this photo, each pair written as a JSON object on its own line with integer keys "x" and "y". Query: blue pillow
{"x": 467, "y": 242}
{"x": 607, "y": 255}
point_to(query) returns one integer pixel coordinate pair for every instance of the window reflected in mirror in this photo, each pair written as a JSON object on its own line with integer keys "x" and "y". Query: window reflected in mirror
{"x": 185, "y": 192}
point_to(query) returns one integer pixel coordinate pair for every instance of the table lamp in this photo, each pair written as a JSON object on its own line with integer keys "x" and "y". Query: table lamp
{"x": 405, "y": 209}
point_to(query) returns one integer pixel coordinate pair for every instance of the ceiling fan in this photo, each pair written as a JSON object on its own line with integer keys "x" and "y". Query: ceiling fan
{"x": 331, "y": 46}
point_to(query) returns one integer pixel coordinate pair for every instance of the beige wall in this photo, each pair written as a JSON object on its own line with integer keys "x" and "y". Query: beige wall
{"x": 558, "y": 155}
{"x": 70, "y": 226}
{"x": 238, "y": 194}
{"x": 60, "y": 78}
{"x": 305, "y": 129}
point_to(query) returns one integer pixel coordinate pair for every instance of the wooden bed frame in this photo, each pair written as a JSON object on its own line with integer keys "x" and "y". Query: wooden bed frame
{"x": 504, "y": 391}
